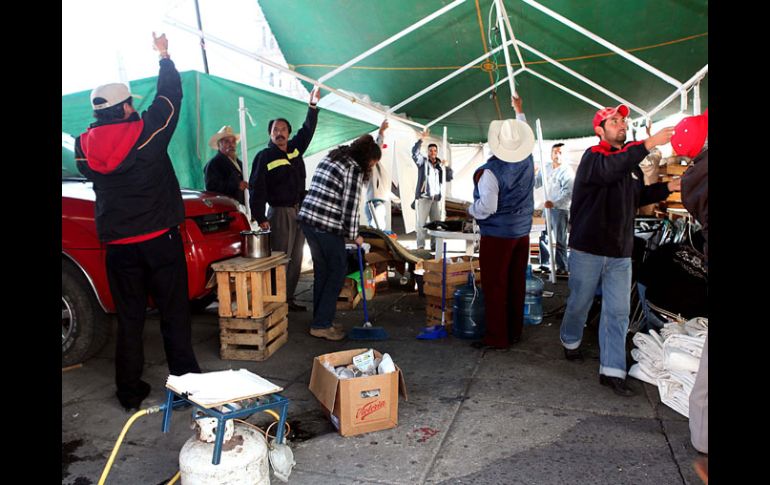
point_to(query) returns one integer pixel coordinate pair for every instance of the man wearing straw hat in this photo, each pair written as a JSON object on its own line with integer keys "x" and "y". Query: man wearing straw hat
{"x": 223, "y": 172}
{"x": 503, "y": 204}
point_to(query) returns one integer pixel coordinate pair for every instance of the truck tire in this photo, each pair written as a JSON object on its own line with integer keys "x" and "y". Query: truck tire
{"x": 85, "y": 326}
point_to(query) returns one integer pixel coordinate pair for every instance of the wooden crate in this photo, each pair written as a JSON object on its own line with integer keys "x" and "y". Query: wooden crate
{"x": 245, "y": 285}
{"x": 436, "y": 265}
{"x": 349, "y": 295}
{"x": 254, "y": 338}
{"x": 433, "y": 312}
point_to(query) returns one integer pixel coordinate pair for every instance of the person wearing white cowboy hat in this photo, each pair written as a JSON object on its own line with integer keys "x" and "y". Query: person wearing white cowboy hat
{"x": 223, "y": 172}
{"x": 503, "y": 204}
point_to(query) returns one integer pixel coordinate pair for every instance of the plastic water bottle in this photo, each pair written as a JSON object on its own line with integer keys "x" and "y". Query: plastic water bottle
{"x": 533, "y": 299}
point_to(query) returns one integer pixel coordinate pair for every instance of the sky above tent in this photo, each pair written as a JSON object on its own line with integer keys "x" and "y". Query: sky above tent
{"x": 98, "y": 51}
{"x": 670, "y": 35}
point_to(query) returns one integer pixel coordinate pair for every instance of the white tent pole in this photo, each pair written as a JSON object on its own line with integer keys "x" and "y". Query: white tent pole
{"x": 583, "y": 78}
{"x": 244, "y": 152}
{"x": 390, "y": 40}
{"x": 513, "y": 36}
{"x": 683, "y": 101}
{"x": 447, "y": 78}
{"x": 696, "y": 99}
{"x": 603, "y": 42}
{"x": 696, "y": 78}
{"x": 564, "y": 88}
{"x": 508, "y": 68}
{"x": 448, "y": 185}
{"x": 470, "y": 100}
{"x": 288, "y": 71}
{"x": 548, "y": 224}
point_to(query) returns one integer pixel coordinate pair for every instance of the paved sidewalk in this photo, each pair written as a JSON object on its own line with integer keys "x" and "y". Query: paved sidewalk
{"x": 527, "y": 416}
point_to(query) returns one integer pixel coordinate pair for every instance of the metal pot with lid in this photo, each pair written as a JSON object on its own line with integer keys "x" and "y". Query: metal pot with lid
{"x": 256, "y": 244}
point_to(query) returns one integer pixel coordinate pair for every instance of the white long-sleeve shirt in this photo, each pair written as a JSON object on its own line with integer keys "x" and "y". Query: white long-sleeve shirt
{"x": 486, "y": 204}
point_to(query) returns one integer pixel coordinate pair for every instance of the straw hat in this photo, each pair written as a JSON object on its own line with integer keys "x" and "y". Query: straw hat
{"x": 510, "y": 140}
{"x": 223, "y": 132}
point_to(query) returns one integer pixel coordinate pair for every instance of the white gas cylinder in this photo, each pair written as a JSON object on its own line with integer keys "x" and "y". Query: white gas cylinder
{"x": 244, "y": 460}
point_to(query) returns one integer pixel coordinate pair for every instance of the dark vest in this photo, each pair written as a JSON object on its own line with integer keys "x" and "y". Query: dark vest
{"x": 515, "y": 201}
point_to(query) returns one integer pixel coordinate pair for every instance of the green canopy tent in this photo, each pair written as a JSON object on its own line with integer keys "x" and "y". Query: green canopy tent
{"x": 209, "y": 103}
{"x": 642, "y": 53}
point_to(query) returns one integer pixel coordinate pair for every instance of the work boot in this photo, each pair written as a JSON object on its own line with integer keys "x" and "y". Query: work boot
{"x": 617, "y": 384}
{"x": 329, "y": 333}
{"x": 573, "y": 354}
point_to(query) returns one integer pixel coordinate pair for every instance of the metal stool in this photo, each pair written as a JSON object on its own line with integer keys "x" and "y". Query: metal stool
{"x": 269, "y": 401}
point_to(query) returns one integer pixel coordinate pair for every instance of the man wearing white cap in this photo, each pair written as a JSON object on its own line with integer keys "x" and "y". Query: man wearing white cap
{"x": 609, "y": 187}
{"x": 223, "y": 172}
{"x": 138, "y": 211}
{"x": 503, "y": 204}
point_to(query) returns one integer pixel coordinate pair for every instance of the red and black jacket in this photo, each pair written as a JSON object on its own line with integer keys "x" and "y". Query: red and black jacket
{"x": 136, "y": 188}
{"x": 609, "y": 187}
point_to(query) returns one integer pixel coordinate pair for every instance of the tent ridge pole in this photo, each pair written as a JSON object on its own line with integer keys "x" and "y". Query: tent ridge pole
{"x": 446, "y": 78}
{"x": 501, "y": 26}
{"x": 288, "y": 71}
{"x": 604, "y": 42}
{"x": 472, "y": 99}
{"x": 390, "y": 40}
{"x": 566, "y": 89}
{"x": 697, "y": 77}
{"x": 583, "y": 78}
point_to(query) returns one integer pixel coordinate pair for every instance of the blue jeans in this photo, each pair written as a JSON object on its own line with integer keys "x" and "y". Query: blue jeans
{"x": 614, "y": 274}
{"x": 329, "y": 267}
{"x": 559, "y": 218}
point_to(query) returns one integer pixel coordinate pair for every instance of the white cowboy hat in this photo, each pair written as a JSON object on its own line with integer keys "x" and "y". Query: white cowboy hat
{"x": 510, "y": 140}
{"x": 223, "y": 132}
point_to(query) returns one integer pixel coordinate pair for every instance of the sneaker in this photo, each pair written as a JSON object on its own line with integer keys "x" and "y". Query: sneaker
{"x": 545, "y": 270}
{"x": 562, "y": 272}
{"x": 330, "y": 333}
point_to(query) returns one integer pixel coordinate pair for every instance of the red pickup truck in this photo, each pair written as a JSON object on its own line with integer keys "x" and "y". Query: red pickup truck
{"x": 211, "y": 233}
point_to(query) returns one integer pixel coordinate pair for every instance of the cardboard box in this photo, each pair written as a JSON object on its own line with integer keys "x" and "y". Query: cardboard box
{"x": 361, "y": 404}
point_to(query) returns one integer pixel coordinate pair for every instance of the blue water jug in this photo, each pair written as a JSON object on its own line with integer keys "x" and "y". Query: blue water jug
{"x": 468, "y": 311}
{"x": 533, "y": 299}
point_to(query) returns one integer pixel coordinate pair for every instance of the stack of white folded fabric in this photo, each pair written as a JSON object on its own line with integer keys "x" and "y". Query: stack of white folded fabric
{"x": 670, "y": 360}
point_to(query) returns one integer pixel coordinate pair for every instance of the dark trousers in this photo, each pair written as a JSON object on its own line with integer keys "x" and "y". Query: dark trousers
{"x": 503, "y": 268}
{"x": 329, "y": 268}
{"x": 156, "y": 268}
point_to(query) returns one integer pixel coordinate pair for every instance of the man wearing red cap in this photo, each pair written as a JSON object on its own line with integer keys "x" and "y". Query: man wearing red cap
{"x": 609, "y": 187}
{"x": 691, "y": 139}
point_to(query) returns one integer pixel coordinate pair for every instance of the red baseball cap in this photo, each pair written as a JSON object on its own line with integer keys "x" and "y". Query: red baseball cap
{"x": 690, "y": 134}
{"x": 606, "y": 113}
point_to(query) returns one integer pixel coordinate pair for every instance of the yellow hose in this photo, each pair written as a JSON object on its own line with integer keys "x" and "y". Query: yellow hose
{"x": 156, "y": 409}
{"x": 129, "y": 423}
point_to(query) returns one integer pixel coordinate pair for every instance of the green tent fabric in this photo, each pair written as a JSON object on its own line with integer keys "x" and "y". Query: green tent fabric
{"x": 316, "y": 36}
{"x": 209, "y": 103}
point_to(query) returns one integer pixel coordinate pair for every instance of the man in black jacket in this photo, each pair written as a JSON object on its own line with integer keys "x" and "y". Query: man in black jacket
{"x": 138, "y": 210}
{"x": 609, "y": 187}
{"x": 223, "y": 172}
{"x": 278, "y": 178}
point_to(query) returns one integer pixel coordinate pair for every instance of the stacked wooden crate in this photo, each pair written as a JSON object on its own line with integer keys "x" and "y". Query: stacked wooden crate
{"x": 667, "y": 173}
{"x": 253, "y": 320}
{"x": 457, "y": 271}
